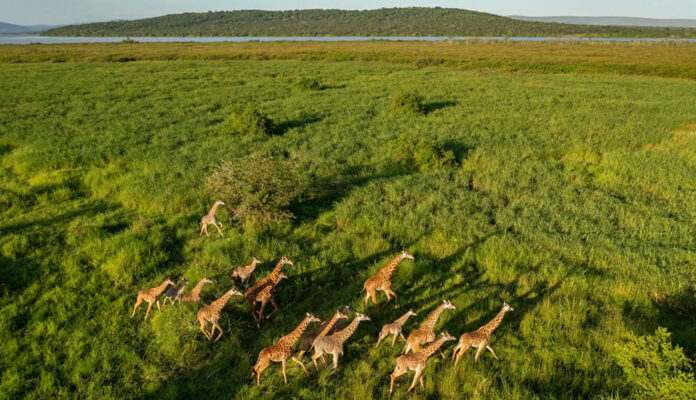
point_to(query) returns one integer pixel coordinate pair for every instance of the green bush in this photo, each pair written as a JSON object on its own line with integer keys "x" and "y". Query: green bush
{"x": 308, "y": 84}
{"x": 407, "y": 103}
{"x": 248, "y": 121}
{"x": 412, "y": 152}
{"x": 257, "y": 188}
{"x": 654, "y": 369}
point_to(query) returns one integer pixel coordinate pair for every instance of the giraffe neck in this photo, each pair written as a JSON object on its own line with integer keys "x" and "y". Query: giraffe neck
{"x": 490, "y": 327}
{"x": 161, "y": 288}
{"x": 276, "y": 272}
{"x": 219, "y": 304}
{"x": 252, "y": 267}
{"x": 197, "y": 289}
{"x": 293, "y": 336}
{"x": 402, "y": 320}
{"x": 329, "y": 325}
{"x": 388, "y": 269}
{"x": 213, "y": 210}
{"x": 433, "y": 317}
{"x": 433, "y": 347}
{"x": 345, "y": 333}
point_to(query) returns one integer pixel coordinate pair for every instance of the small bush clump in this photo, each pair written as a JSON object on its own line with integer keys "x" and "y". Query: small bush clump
{"x": 308, "y": 84}
{"x": 418, "y": 153}
{"x": 654, "y": 368}
{"x": 248, "y": 121}
{"x": 257, "y": 188}
{"x": 407, "y": 103}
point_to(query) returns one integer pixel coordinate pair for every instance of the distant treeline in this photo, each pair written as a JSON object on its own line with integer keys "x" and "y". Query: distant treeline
{"x": 415, "y": 21}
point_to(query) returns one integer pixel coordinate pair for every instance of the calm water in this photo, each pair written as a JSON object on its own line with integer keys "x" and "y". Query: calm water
{"x": 26, "y": 39}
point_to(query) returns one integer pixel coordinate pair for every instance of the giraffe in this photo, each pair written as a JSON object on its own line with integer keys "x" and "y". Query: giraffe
{"x": 479, "y": 338}
{"x": 211, "y": 313}
{"x": 243, "y": 273}
{"x": 326, "y": 328}
{"x": 195, "y": 294}
{"x": 334, "y": 344}
{"x": 173, "y": 293}
{"x": 426, "y": 332}
{"x": 382, "y": 280}
{"x": 210, "y": 218}
{"x": 416, "y": 362}
{"x": 151, "y": 296}
{"x": 282, "y": 350}
{"x": 264, "y": 296}
{"x": 254, "y": 291}
{"x": 395, "y": 328}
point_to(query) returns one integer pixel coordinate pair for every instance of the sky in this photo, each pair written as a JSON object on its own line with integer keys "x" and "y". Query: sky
{"x": 33, "y": 12}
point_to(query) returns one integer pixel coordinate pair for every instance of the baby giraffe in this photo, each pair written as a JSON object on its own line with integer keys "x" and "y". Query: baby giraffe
{"x": 173, "y": 293}
{"x": 195, "y": 294}
{"x": 479, "y": 338}
{"x": 210, "y": 218}
{"x": 395, "y": 328}
{"x": 151, "y": 296}
{"x": 382, "y": 280}
{"x": 334, "y": 344}
{"x": 243, "y": 273}
{"x": 264, "y": 296}
{"x": 211, "y": 313}
{"x": 426, "y": 332}
{"x": 416, "y": 362}
{"x": 326, "y": 328}
{"x": 282, "y": 351}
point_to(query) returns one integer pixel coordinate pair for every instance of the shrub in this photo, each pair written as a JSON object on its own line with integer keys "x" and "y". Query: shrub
{"x": 655, "y": 369}
{"x": 407, "y": 103}
{"x": 308, "y": 84}
{"x": 248, "y": 121}
{"x": 257, "y": 188}
{"x": 418, "y": 153}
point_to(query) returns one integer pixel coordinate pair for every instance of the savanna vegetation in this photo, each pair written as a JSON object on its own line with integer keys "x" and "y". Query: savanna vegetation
{"x": 557, "y": 177}
{"x": 412, "y": 21}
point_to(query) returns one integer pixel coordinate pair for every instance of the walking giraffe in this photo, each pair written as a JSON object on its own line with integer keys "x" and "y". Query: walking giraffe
{"x": 211, "y": 313}
{"x": 395, "y": 328}
{"x": 334, "y": 344}
{"x": 151, "y": 296}
{"x": 195, "y": 294}
{"x": 326, "y": 328}
{"x": 266, "y": 294}
{"x": 254, "y": 291}
{"x": 282, "y": 351}
{"x": 382, "y": 280}
{"x": 416, "y": 362}
{"x": 426, "y": 332}
{"x": 210, "y": 218}
{"x": 479, "y": 338}
{"x": 243, "y": 273}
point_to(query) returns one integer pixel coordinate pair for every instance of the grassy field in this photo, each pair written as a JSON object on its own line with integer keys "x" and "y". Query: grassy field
{"x": 573, "y": 198}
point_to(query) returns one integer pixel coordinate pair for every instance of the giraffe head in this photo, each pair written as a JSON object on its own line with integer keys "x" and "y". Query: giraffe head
{"x": 183, "y": 282}
{"x": 282, "y": 276}
{"x": 448, "y": 304}
{"x": 286, "y": 260}
{"x": 255, "y": 261}
{"x": 206, "y": 280}
{"x": 507, "y": 307}
{"x": 312, "y": 318}
{"x": 406, "y": 254}
{"x": 234, "y": 292}
{"x": 219, "y": 203}
{"x": 447, "y": 337}
{"x": 411, "y": 313}
{"x": 348, "y": 310}
{"x": 362, "y": 317}
{"x": 168, "y": 282}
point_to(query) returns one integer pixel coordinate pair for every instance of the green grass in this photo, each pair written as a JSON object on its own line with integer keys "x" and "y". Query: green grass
{"x": 572, "y": 198}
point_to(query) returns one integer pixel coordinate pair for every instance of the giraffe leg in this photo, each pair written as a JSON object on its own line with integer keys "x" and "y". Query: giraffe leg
{"x": 218, "y": 228}
{"x": 401, "y": 335}
{"x": 285, "y": 377}
{"x": 300, "y": 354}
{"x": 371, "y": 293}
{"x": 463, "y": 349}
{"x": 398, "y": 371}
{"x": 149, "y": 306}
{"x": 260, "y": 314}
{"x": 316, "y": 355}
{"x": 295, "y": 359}
{"x": 205, "y": 229}
{"x": 416, "y": 376}
{"x": 394, "y": 338}
{"x": 275, "y": 308}
{"x": 367, "y": 297}
{"x": 261, "y": 366}
{"x": 215, "y": 325}
{"x": 386, "y": 292}
{"x": 492, "y": 352}
{"x": 202, "y": 228}
{"x": 396, "y": 296}
{"x": 335, "y": 359}
{"x": 137, "y": 304}
{"x": 421, "y": 382}
{"x": 455, "y": 350}
{"x": 158, "y": 306}
{"x": 202, "y": 328}
{"x": 479, "y": 351}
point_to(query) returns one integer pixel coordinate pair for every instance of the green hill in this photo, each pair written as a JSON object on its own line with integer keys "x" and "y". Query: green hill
{"x": 383, "y": 22}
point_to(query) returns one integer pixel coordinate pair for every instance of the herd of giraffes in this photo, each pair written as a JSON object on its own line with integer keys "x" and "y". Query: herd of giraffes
{"x": 329, "y": 337}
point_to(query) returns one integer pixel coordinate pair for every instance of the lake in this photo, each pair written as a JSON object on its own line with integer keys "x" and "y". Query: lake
{"x": 27, "y": 39}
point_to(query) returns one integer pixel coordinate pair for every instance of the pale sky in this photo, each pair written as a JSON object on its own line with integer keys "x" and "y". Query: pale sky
{"x": 32, "y": 12}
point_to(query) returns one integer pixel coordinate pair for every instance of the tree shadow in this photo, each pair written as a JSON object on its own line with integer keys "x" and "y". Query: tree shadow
{"x": 296, "y": 123}
{"x": 437, "y": 105}
{"x": 677, "y": 313}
